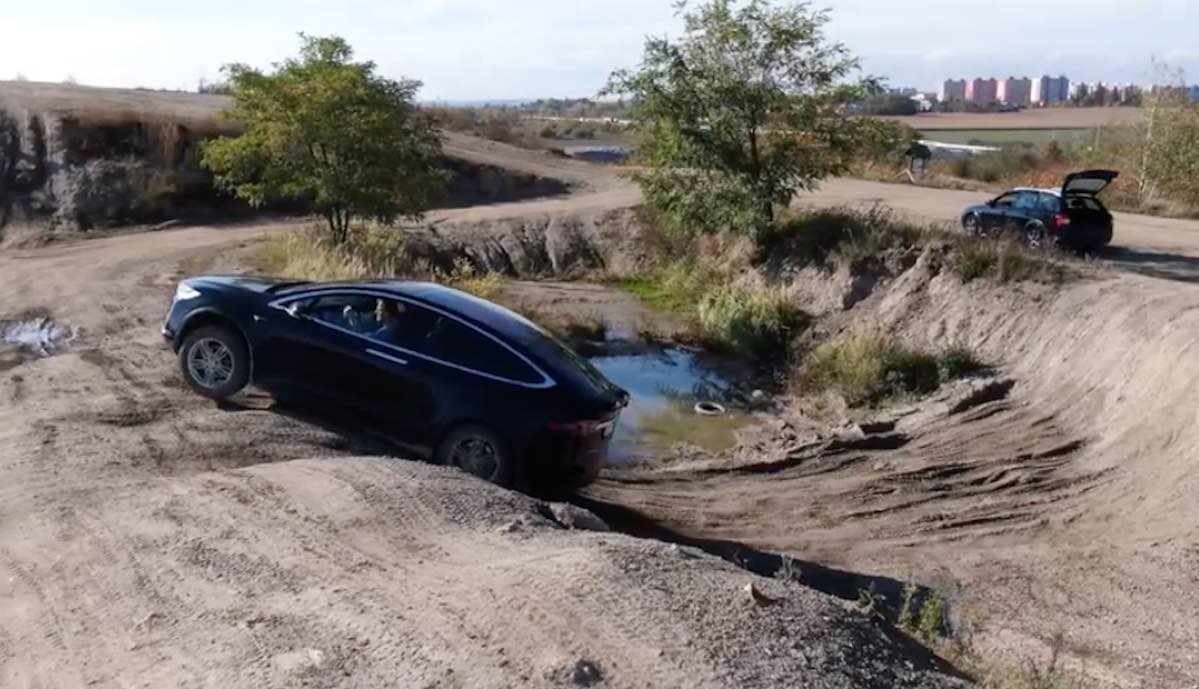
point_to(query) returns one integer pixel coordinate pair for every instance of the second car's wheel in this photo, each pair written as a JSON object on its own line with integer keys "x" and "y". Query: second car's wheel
{"x": 215, "y": 361}
{"x": 477, "y": 451}
{"x": 1035, "y": 236}
{"x": 970, "y": 224}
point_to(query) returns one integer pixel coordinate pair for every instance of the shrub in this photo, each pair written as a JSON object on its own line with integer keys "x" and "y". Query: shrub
{"x": 868, "y": 368}
{"x": 467, "y": 278}
{"x": 813, "y": 236}
{"x": 549, "y": 132}
{"x": 958, "y": 362}
{"x": 761, "y": 321}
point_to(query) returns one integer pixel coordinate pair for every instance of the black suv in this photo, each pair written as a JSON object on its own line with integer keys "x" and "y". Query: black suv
{"x": 1072, "y": 217}
{"x": 453, "y": 378}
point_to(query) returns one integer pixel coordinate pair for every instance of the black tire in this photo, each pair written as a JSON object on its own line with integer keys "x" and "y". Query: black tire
{"x": 970, "y": 225}
{"x": 215, "y": 361}
{"x": 479, "y": 452}
{"x": 1035, "y": 236}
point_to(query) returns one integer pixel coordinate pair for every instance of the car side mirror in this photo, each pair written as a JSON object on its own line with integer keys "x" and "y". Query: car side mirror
{"x": 991, "y": 203}
{"x": 295, "y": 309}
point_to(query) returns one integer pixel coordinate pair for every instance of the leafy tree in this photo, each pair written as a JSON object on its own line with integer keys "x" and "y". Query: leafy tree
{"x": 745, "y": 109}
{"x": 330, "y": 132}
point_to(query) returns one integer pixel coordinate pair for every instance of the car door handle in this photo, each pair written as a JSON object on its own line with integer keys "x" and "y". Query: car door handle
{"x": 387, "y": 357}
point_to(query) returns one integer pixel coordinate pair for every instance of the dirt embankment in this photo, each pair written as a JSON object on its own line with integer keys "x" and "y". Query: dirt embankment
{"x": 149, "y": 537}
{"x": 76, "y": 159}
{"x": 1056, "y": 500}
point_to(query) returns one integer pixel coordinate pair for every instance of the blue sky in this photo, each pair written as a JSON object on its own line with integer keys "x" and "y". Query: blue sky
{"x": 478, "y": 49}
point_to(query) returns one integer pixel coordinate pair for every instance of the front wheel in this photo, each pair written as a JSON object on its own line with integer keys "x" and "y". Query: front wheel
{"x": 970, "y": 225}
{"x": 477, "y": 451}
{"x": 215, "y": 361}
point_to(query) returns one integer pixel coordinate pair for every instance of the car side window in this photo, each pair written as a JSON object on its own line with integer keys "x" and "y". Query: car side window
{"x": 1050, "y": 203}
{"x": 1028, "y": 200}
{"x": 449, "y": 340}
{"x": 1007, "y": 200}
{"x": 401, "y": 324}
{"x": 354, "y": 312}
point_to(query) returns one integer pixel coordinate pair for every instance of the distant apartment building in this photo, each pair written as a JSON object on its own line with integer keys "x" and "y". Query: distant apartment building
{"x": 1049, "y": 90}
{"x": 1193, "y": 93}
{"x": 1014, "y": 91}
{"x": 951, "y": 90}
{"x": 982, "y": 90}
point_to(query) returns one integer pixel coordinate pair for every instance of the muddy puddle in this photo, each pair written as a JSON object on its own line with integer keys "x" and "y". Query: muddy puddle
{"x": 664, "y": 388}
{"x": 30, "y": 338}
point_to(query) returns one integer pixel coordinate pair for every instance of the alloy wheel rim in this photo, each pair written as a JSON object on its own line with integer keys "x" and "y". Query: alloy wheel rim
{"x": 476, "y": 456}
{"x": 210, "y": 363}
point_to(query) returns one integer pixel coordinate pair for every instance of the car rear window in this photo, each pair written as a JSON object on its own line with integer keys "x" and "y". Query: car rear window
{"x": 1083, "y": 203}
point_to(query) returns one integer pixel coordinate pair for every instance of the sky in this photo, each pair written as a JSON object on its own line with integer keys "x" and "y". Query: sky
{"x": 495, "y": 49}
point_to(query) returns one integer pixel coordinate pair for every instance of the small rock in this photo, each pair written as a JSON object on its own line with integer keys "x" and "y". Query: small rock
{"x": 573, "y": 517}
{"x": 876, "y": 427}
{"x": 511, "y": 527}
{"x": 760, "y": 599}
{"x": 586, "y": 674}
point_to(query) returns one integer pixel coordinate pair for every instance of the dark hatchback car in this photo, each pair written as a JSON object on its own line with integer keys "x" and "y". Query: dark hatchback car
{"x": 452, "y": 378}
{"x": 1072, "y": 217}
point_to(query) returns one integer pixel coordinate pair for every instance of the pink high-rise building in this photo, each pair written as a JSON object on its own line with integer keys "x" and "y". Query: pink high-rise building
{"x": 982, "y": 90}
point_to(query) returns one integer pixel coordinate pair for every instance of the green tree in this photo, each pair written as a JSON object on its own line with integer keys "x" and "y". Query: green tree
{"x": 745, "y": 109}
{"x": 330, "y": 132}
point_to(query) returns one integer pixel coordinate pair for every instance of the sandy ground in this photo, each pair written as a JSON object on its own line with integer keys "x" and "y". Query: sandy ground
{"x": 149, "y": 538}
{"x": 152, "y": 539}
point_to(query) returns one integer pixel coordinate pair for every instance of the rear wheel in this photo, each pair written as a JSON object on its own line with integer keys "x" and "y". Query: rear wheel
{"x": 477, "y": 451}
{"x": 1035, "y": 236}
{"x": 215, "y": 361}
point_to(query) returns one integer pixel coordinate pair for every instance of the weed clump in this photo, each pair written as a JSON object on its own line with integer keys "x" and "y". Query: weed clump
{"x": 1007, "y": 261}
{"x": 871, "y": 369}
{"x": 759, "y": 320}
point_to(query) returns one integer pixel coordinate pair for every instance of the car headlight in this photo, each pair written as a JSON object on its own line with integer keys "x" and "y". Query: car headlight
{"x": 185, "y": 291}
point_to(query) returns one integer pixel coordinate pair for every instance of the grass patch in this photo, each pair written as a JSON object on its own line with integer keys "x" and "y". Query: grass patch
{"x": 368, "y": 253}
{"x": 761, "y": 321}
{"x": 870, "y": 369}
{"x": 1006, "y": 260}
{"x": 717, "y": 312}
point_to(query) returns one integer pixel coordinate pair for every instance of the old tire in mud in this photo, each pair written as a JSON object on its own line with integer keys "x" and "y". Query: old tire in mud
{"x": 215, "y": 361}
{"x": 477, "y": 451}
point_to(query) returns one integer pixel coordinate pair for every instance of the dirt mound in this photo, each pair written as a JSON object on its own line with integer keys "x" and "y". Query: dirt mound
{"x": 370, "y": 573}
{"x": 1034, "y": 503}
{"x": 534, "y": 246}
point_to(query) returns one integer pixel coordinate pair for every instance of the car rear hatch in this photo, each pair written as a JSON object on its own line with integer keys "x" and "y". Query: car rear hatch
{"x": 1088, "y": 182}
{"x": 1090, "y": 223}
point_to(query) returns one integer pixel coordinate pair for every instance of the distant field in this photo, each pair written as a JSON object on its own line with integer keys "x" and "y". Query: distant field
{"x": 1049, "y": 118}
{"x": 1006, "y": 136}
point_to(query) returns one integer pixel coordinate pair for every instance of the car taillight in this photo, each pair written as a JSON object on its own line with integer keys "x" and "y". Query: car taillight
{"x": 1061, "y": 220}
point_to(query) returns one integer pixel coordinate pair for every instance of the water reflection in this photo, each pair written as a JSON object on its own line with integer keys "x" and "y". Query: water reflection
{"x": 664, "y": 387}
